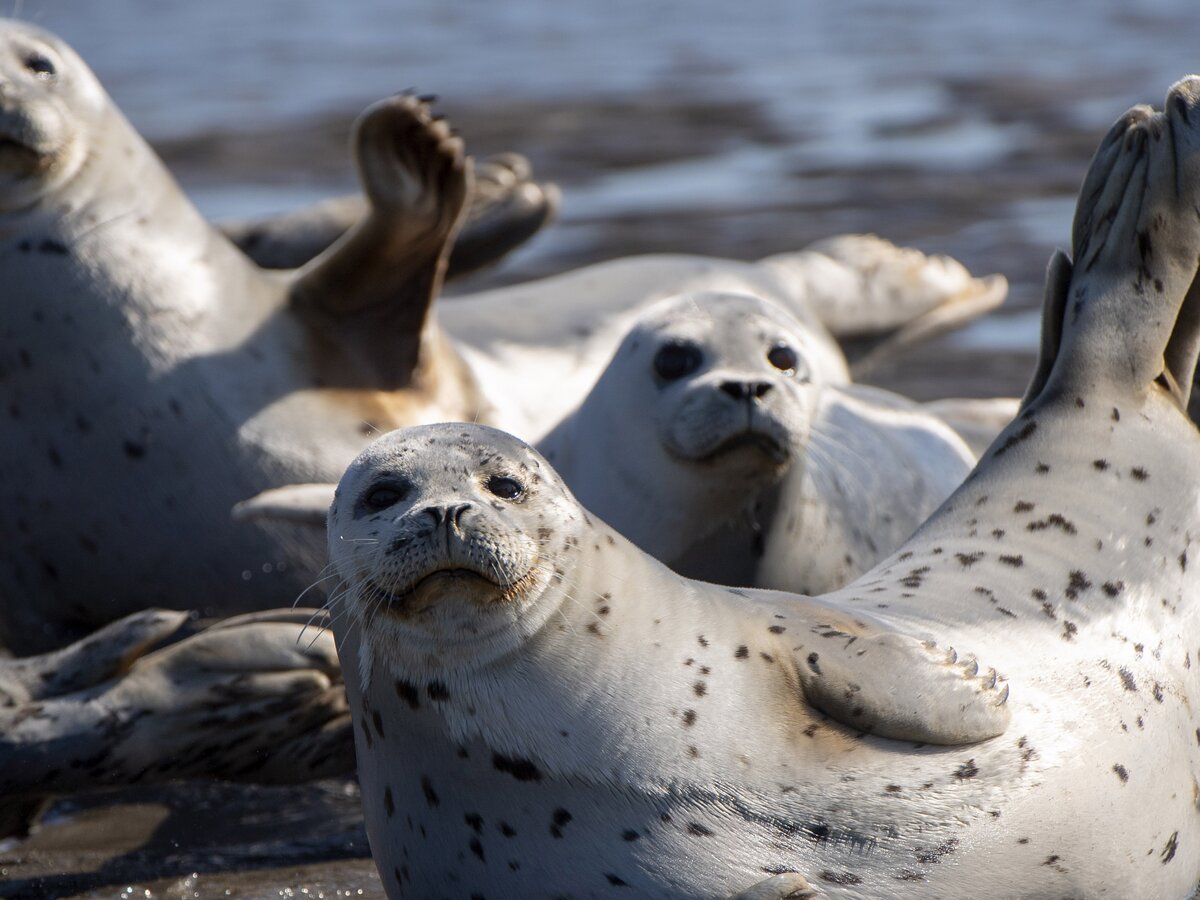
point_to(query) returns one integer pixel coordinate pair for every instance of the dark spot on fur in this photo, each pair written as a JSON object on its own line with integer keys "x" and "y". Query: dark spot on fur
{"x": 777, "y": 629}
{"x": 700, "y": 688}
{"x": 134, "y": 450}
{"x": 689, "y": 717}
{"x": 695, "y": 829}
{"x": 1069, "y": 629}
{"x": 629, "y": 835}
{"x": 1113, "y": 588}
{"x": 1127, "y": 679}
{"x": 1013, "y": 439}
{"x": 1157, "y": 692}
{"x": 520, "y": 769}
{"x": 408, "y": 693}
{"x": 1023, "y": 506}
{"x": 477, "y": 848}
{"x": 53, "y": 247}
{"x": 1121, "y": 771}
{"x": 968, "y": 559}
{"x": 1100, "y": 465}
{"x": 614, "y": 880}
{"x": 702, "y": 640}
{"x": 934, "y": 855}
{"x": 389, "y": 804}
{"x": 507, "y": 830}
{"x": 1041, "y": 468}
{"x": 377, "y": 720}
{"x": 558, "y": 822}
{"x": 1077, "y": 583}
{"x": 437, "y": 691}
{"x": 1139, "y": 474}
{"x": 431, "y": 796}
{"x": 1168, "y": 852}
{"x": 475, "y": 821}
{"x": 966, "y": 770}
{"x": 1015, "y": 561}
{"x": 840, "y": 877}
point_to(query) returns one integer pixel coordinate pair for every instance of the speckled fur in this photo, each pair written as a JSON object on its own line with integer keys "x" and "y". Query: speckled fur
{"x": 839, "y": 475}
{"x": 650, "y": 735}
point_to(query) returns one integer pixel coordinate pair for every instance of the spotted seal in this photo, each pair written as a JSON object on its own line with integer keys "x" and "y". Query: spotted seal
{"x": 718, "y": 442}
{"x": 150, "y": 368}
{"x": 543, "y": 709}
{"x": 242, "y": 700}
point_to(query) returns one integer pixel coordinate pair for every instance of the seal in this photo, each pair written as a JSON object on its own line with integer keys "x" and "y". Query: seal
{"x": 474, "y": 580}
{"x": 243, "y": 700}
{"x": 543, "y": 709}
{"x": 720, "y": 442}
{"x": 151, "y": 368}
{"x": 507, "y": 208}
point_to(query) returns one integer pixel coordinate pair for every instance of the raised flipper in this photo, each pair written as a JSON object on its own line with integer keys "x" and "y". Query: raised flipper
{"x": 1128, "y": 304}
{"x": 880, "y": 682}
{"x": 374, "y": 289}
{"x": 788, "y": 886}
{"x": 300, "y": 504}
{"x": 878, "y": 299}
{"x": 252, "y": 699}
{"x": 506, "y": 208}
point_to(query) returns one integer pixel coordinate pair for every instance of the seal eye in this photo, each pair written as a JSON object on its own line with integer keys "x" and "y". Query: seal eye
{"x": 783, "y": 357}
{"x": 504, "y": 487}
{"x": 40, "y": 66}
{"x": 384, "y": 495}
{"x": 676, "y": 359}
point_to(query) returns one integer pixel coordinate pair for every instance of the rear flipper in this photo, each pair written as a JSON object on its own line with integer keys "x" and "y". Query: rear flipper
{"x": 506, "y": 208}
{"x": 1124, "y": 313}
{"x": 788, "y": 886}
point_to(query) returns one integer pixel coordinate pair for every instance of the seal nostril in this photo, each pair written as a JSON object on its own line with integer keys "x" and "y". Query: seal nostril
{"x": 436, "y": 513}
{"x": 455, "y": 513}
{"x": 761, "y": 388}
{"x": 735, "y": 389}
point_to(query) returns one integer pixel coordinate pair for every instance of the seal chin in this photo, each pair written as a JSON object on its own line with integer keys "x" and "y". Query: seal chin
{"x": 757, "y": 443}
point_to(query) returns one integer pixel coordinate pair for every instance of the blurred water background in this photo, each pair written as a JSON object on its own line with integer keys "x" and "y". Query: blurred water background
{"x": 728, "y": 127}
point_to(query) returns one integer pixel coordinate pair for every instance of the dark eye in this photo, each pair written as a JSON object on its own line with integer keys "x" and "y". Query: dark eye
{"x": 504, "y": 487}
{"x": 783, "y": 357}
{"x": 384, "y": 495}
{"x": 40, "y": 66}
{"x": 676, "y": 359}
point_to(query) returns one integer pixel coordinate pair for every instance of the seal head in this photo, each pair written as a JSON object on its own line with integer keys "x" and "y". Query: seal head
{"x": 446, "y": 537}
{"x": 49, "y": 102}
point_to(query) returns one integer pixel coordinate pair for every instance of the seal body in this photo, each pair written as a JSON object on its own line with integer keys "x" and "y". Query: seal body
{"x": 561, "y": 714}
{"x": 151, "y": 375}
{"x": 722, "y": 441}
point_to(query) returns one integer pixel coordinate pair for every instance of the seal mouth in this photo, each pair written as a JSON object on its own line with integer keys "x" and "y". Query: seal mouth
{"x": 753, "y": 441}
{"x": 403, "y": 602}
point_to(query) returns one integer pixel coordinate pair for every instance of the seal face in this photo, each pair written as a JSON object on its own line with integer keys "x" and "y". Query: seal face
{"x": 721, "y": 441}
{"x": 449, "y": 542}
{"x": 49, "y": 103}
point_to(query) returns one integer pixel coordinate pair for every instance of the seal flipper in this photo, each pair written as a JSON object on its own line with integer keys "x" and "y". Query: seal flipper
{"x": 1130, "y": 320}
{"x": 300, "y": 504}
{"x": 376, "y": 286}
{"x": 507, "y": 207}
{"x": 890, "y": 685}
{"x": 787, "y": 886}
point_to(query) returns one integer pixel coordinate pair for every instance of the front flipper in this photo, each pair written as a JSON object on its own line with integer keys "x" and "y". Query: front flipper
{"x": 890, "y": 685}
{"x": 300, "y": 504}
{"x": 373, "y": 291}
{"x": 788, "y": 886}
{"x": 506, "y": 208}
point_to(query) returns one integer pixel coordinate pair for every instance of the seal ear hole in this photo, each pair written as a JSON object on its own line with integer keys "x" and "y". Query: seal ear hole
{"x": 381, "y": 496}
{"x": 784, "y": 358}
{"x": 41, "y": 65}
{"x": 505, "y": 487}
{"x": 676, "y": 359}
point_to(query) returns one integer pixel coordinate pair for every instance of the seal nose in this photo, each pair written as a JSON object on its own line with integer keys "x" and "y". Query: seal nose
{"x": 446, "y": 515}
{"x": 745, "y": 390}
